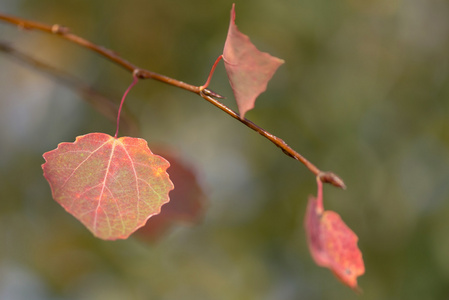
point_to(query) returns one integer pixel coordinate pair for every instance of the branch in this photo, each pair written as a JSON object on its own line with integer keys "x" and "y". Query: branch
{"x": 64, "y": 33}
{"x": 206, "y": 94}
{"x": 327, "y": 177}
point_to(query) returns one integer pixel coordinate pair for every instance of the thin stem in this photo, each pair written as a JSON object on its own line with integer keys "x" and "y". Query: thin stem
{"x": 206, "y": 94}
{"x": 319, "y": 195}
{"x": 135, "y": 80}
{"x": 211, "y": 73}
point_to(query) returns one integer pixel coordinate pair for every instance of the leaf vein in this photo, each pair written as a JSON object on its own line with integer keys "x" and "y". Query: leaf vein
{"x": 102, "y": 190}
{"x": 74, "y": 170}
{"x": 136, "y": 180}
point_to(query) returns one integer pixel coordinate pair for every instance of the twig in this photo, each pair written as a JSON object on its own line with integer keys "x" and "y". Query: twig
{"x": 327, "y": 177}
{"x": 64, "y": 33}
{"x": 206, "y": 94}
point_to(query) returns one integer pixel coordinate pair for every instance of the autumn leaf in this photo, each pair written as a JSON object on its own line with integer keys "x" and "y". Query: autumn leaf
{"x": 248, "y": 69}
{"x": 187, "y": 201}
{"x": 112, "y": 185}
{"x": 332, "y": 243}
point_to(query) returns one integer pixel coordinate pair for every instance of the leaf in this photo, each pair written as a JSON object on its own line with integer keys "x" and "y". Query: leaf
{"x": 332, "y": 243}
{"x": 112, "y": 185}
{"x": 248, "y": 69}
{"x": 187, "y": 201}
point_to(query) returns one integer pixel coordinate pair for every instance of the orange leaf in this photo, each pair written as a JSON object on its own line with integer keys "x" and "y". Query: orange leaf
{"x": 332, "y": 243}
{"x": 248, "y": 69}
{"x": 112, "y": 185}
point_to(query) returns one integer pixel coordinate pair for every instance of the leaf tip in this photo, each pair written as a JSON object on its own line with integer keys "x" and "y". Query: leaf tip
{"x": 233, "y": 12}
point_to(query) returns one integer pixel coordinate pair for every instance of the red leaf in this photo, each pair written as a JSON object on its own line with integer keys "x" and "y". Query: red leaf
{"x": 332, "y": 243}
{"x": 112, "y": 185}
{"x": 248, "y": 69}
{"x": 187, "y": 201}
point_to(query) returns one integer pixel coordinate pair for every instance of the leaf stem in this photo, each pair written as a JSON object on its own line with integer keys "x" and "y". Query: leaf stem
{"x": 212, "y": 70}
{"x": 319, "y": 195}
{"x": 135, "y": 80}
{"x": 206, "y": 94}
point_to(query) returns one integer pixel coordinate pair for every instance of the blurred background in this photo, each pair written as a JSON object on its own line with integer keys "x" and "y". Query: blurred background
{"x": 363, "y": 92}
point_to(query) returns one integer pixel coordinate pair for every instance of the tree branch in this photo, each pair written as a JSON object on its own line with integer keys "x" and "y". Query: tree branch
{"x": 206, "y": 94}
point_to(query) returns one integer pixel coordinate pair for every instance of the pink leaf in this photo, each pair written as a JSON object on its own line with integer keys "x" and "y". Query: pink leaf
{"x": 332, "y": 243}
{"x": 248, "y": 69}
{"x": 112, "y": 185}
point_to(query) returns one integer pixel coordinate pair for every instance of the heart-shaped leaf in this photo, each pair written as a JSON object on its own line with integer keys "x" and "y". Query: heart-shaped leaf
{"x": 112, "y": 185}
{"x": 248, "y": 69}
{"x": 332, "y": 243}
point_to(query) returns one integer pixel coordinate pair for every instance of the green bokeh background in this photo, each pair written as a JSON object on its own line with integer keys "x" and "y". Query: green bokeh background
{"x": 364, "y": 93}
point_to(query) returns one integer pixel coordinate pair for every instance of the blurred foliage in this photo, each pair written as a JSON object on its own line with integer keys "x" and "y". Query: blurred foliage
{"x": 364, "y": 92}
